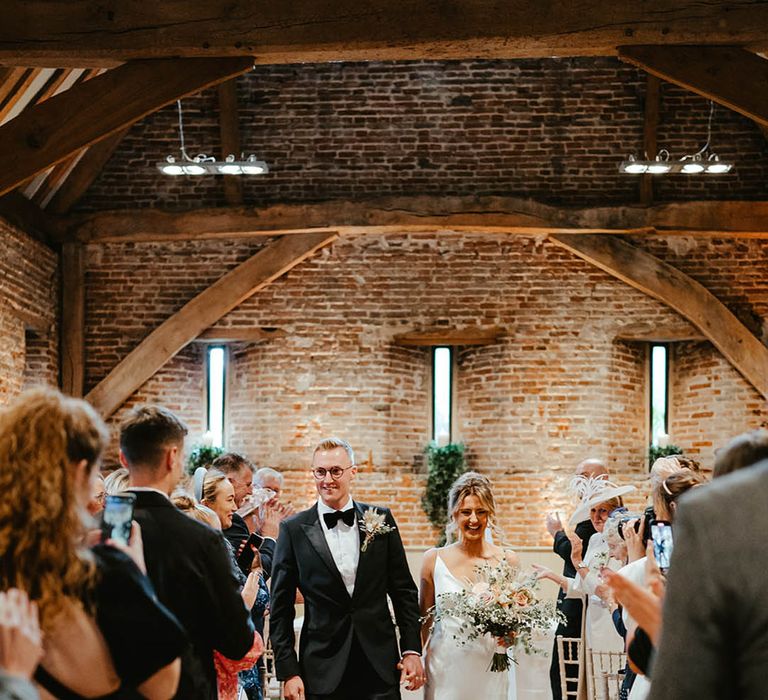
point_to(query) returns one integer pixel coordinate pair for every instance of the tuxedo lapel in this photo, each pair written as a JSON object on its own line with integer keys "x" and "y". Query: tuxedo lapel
{"x": 314, "y": 533}
{"x": 364, "y": 562}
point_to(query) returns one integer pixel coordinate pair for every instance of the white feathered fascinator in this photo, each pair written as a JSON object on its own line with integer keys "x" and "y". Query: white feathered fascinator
{"x": 591, "y": 491}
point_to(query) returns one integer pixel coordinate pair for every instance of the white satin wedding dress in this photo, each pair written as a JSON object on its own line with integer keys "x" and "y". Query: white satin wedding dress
{"x": 456, "y": 671}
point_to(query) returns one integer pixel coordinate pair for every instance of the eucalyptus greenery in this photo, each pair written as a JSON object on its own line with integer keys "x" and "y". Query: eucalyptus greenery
{"x": 445, "y": 465}
{"x": 202, "y": 456}
{"x": 655, "y": 451}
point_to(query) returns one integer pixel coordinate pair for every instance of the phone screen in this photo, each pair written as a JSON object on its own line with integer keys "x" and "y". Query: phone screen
{"x": 117, "y": 518}
{"x": 661, "y": 532}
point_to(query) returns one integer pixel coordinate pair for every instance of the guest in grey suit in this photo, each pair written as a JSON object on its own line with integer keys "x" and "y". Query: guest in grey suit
{"x": 714, "y": 640}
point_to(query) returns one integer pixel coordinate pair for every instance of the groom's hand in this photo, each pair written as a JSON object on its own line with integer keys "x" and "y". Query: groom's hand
{"x": 294, "y": 688}
{"x": 411, "y": 671}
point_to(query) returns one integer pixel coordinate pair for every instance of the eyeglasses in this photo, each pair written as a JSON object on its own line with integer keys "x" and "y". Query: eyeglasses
{"x": 335, "y": 472}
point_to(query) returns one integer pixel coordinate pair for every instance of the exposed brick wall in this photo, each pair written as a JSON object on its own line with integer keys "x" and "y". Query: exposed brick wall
{"x": 556, "y": 388}
{"x": 28, "y": 286}
{"x": 551, "y": 129}
{"x": 710, "y": 402}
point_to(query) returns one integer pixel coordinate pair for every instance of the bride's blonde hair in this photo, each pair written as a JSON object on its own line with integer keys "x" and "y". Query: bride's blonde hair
{"x": 471, "y": 484}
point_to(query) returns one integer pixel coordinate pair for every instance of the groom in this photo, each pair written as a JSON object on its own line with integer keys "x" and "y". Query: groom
{"x": 348, "y": 649}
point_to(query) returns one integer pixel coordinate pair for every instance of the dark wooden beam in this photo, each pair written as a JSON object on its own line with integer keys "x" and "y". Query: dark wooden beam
{"x": 229, "y": 127}
{"x": 200, "y": 313}
{"x": 470, "y": 335}
{"x": 62, "y": 125}
{"x": 18, "y": 211}
{"x": 84, "y": 173}
{"x": 730, "y": 76}
{"x": 680, "y": 292}
{"x": 398, "y": 215}
{"x": 650, "y": 125}
{"x": 73, "y": 319}
{"x": 79, "y": 31}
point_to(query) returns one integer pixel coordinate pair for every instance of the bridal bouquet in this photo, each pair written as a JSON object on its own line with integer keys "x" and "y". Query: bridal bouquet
{"x": 503, "y": 603}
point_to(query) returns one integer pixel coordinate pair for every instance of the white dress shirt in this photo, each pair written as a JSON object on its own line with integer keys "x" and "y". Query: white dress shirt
{"x": 344, "y": 543}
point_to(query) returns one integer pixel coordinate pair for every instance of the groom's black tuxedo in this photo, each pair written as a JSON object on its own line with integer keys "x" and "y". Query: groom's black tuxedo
{"x": 333, "y": 618}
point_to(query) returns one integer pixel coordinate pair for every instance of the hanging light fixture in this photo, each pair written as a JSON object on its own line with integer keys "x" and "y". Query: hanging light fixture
{"x": 690, "y": 164}
{"x": 202, "y": 164}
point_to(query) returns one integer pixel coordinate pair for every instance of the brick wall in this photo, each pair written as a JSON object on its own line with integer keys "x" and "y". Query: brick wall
{"x": 556, "y": 388}
{"x": 550, "y": 129}
{"x": 28, "y": 294}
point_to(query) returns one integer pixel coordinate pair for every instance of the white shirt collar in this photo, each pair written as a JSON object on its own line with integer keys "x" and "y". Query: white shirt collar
{"x": 149, "y": 488}
{"x": 322, "y": 508}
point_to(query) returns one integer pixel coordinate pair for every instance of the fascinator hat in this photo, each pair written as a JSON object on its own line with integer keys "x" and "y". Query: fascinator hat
{"x": 592, "y": 491}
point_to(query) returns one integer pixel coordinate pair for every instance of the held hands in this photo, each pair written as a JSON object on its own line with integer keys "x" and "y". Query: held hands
{"x": 411, "y": 672}
{"x": 634, "y": 539}
{"x": 135, "y": 547}
{"x": 20, "y": 641}
{"x": 542, "y": 572}
{"x": 294, "y": 689}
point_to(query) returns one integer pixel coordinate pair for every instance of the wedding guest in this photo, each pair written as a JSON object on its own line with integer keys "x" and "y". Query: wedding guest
{"x": 104, "y": 630}
{"x": 571, "y": 608}
{"x": 188, "y": 562}
{"x": 714, "y": 633}
{"x": 21, "y": 646}
{"x": 215, "y": 489}
{"x": 96, "y": 502}
{"x": 117, "y": 482}
{"x": 457, "y": 668}
{"x": 743, "y": 451}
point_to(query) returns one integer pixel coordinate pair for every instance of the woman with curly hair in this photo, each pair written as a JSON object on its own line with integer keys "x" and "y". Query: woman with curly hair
{"x": 105, "y": 634}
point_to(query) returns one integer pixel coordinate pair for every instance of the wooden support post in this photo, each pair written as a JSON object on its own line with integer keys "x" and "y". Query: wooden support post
{"x": 73, "y": 319}
{"x": 652, "y": 95}
{"x": 230, "y": 138}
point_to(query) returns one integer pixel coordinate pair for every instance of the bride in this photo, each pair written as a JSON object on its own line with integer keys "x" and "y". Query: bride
{"x": 457, "y": 671}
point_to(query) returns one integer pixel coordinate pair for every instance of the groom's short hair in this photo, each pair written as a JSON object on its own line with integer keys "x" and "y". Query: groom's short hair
{"x": 332, "y": 443}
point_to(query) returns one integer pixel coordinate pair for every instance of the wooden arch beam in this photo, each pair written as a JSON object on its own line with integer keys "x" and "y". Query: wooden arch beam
{"x": 51, "y": 131}
{"x": 686, "y": 296}
{"x": 200, "y": 313}
{"x": 729, "y": 75}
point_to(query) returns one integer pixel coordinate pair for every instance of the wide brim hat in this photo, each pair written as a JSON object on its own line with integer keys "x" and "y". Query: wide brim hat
{"x": 593, "y": 491}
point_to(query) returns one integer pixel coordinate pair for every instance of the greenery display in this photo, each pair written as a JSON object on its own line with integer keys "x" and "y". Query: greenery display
{"x": 202, "y": 456}
{"x": 445, "y": 465}
{"x": 655, "y": 451}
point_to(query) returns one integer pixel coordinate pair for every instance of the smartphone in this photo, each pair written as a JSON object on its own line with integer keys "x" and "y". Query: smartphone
{"x": 245, "y": 559}
{"x": 117, "y": 517}
{"x": 661, "y": 532}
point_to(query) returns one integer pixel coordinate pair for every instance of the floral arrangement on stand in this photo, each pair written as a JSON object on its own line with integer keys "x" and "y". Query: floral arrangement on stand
{"x": 502, "y": 603}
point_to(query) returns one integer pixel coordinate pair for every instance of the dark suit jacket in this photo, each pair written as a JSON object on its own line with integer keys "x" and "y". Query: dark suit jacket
{"x": 190, "y": 568}
{"x": 572, "y": 608}
{"x": 714, "y": 643}
{"x": 237, "y": 533}
{"x": 331, "y": 617}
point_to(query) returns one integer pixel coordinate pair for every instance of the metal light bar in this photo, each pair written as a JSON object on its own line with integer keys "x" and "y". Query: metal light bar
{"x": 203, "y": 165}
{"x": 687, "y": 165}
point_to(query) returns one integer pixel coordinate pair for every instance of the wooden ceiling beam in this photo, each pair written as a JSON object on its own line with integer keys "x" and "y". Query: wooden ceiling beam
{"x": 729, "y": 75}
{"x": 90, "y": 111}
{"x": 17, "y": 210}
{"x": 79, "y": 32}
{"x": 422, "y": 214}
{"x": 84, "y": 173}
{"x": 469, "y": 335}
{"x": 229, "y": 128}
{"x": 690, "y": 299}
{"x": 200, "y": 313}
{"x": 239, "y": 335}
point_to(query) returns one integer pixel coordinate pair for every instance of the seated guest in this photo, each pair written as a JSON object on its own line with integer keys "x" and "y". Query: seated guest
{"x": 21, "y": 646}
{"x": 105, "y": 632}
{"x": 188, "y": 562}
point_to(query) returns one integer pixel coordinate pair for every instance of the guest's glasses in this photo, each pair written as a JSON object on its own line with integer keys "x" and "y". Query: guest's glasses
{"x": 335, "y": 472}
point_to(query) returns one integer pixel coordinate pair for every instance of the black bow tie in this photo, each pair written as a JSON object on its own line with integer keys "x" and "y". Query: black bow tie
{"x": 348, "y": 516}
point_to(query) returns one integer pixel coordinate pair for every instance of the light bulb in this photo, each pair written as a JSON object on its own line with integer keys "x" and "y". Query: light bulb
{"x": 718, "y": 168}
{"x": 194, "y": 169}
{"x": 172, "y": 169}
{"x": 659, "y": 168}
{"x": 229, "y": 169}
{"x": 692, "y": 168}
